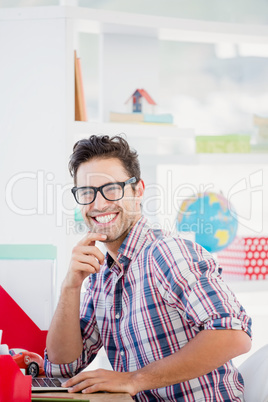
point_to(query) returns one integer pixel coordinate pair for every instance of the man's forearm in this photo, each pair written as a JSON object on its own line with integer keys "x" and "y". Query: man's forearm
{"x": 64, "y": 341}
{"x": 209, "y": 350}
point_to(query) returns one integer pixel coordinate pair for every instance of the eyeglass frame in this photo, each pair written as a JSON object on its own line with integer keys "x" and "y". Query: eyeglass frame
{"x": 122, "y": 184}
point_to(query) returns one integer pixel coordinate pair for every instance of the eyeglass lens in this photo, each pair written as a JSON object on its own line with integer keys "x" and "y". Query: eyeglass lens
{"x": 111, "y": 192}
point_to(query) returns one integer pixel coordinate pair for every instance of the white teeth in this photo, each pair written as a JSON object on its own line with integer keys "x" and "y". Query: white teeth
{"x": 105, "y": 218}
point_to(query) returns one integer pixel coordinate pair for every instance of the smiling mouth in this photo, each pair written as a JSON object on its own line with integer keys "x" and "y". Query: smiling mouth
{"x": 104, "y": 218}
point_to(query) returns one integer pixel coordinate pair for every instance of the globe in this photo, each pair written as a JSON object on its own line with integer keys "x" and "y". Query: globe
{"x": 211, "y": 217}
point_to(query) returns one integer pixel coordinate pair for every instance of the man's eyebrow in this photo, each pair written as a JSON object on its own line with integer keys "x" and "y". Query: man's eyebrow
{"x": 109, "y": 182}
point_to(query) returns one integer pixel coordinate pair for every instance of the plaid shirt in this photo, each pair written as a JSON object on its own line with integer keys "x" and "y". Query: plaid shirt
{"x": 167, "y": 292}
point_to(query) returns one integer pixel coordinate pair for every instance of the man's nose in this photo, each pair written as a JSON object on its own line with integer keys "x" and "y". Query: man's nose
{"x": 100, "y": 202}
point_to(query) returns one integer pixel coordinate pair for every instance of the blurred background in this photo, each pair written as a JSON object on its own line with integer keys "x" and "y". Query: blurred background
{"x": 203, "y": 62}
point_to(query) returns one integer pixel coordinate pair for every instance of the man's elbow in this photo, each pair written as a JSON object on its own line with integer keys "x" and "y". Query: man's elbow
{"x": 243, "y": 342}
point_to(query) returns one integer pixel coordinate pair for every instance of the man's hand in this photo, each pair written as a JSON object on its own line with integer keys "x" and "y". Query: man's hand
{"x": 86, "y": 259}
{"x": 101, "y": 380}
{"x": 65, "y": 325}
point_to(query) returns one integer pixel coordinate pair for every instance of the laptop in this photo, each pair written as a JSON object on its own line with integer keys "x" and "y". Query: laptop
{"x": 48, "y": 384}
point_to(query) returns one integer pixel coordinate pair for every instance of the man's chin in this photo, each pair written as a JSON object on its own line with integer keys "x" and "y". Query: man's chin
{"x": 113, "y": 231}
{"x": 108, "y": 230}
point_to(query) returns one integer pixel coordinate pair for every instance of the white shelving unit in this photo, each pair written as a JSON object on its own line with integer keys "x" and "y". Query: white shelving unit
{"x": 182, "y": 137}
{"x": 165, "y": 28}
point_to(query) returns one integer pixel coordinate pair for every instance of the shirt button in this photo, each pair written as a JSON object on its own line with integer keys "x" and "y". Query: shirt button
{"x": 122, "y": 353}
{"x": 117, "y": 316}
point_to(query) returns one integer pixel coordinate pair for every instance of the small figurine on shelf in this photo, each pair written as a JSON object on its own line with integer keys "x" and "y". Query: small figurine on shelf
{"x": 138, "y": 104}
{"x": 142, "y": 110}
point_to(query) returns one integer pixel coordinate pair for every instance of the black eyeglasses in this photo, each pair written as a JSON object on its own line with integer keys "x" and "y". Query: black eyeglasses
{"x": 110, "y": 191}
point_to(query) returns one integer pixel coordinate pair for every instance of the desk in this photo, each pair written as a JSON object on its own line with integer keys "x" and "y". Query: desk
{"x": 97, "y": 397}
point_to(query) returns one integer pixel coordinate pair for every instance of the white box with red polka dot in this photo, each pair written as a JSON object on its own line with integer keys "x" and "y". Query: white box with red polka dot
{"x": 245, "y": 258}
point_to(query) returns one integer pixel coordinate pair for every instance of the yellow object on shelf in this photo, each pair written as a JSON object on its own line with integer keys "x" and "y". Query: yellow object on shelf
{"x": 232, "y": 143}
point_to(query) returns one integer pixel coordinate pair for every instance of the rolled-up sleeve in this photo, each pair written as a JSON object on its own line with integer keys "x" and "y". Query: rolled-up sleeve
{"x": 91, "y": 343}
{"x": 213, "y": 305}
{"x": 189, "y": 279}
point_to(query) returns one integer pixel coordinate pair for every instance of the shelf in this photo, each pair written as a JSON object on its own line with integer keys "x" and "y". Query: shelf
{"x": 165, "y": 144}
{"x": 209, "y": 159}
{"x": 232, "y": 159}
{"x": 164, "y": 28}
{"x": 130, "y": 129}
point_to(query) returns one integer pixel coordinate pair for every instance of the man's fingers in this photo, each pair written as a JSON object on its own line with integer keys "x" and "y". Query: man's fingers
{"x": 88, "y": 261}
{"x": 99, "y": 380}
{"x": 88, "y": 387}
{"x": 93, "y": 388}
{"x": 91, "y": 238}
{"x": 86, "y": 382}
{"x": 77, "y": 379}
{"x": 95, "y": 251}
{"x": 81, "y": 251}
{"x": 86, "y": 268}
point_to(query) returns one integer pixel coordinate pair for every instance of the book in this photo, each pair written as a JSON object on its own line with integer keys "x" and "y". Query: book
{"x": 232, "y": 143}
{"x": 141, "y": 118}
{"x": 260, "y": 121}
{"x": 126, "y": 117}
{"x": 158, "y": 118}
{"x": 80, "y": 104}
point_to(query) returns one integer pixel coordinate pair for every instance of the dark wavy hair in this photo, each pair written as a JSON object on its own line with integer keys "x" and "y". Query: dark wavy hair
{"x": 103, "y": 146}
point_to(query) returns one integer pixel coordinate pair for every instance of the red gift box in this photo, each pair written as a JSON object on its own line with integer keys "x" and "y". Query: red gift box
{"x": 245, "y": 258}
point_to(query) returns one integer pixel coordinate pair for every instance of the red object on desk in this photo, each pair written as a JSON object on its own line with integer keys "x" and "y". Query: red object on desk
{"x": 14, "y": 386}
{"x": 19, "y": 331}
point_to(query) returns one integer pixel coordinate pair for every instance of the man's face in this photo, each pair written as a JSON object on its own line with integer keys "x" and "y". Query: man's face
{"x": 112, "y": 218}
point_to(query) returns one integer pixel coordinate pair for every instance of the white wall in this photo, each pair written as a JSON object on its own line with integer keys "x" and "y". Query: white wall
{"x": 128, "y": 62}
{"x": 33, "y": 147}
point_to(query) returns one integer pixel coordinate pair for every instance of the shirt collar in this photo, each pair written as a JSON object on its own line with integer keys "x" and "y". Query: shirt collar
{"x": 135, "y": 239}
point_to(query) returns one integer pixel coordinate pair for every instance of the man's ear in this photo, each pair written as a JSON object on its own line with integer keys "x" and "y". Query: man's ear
{"x": 139, "y": 191}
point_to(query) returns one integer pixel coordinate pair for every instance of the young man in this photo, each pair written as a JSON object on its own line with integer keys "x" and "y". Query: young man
{"x": 156, "y": 302}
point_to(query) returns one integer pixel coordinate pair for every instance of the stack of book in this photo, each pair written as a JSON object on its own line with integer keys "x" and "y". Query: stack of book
{"x": 141, "y": 118}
